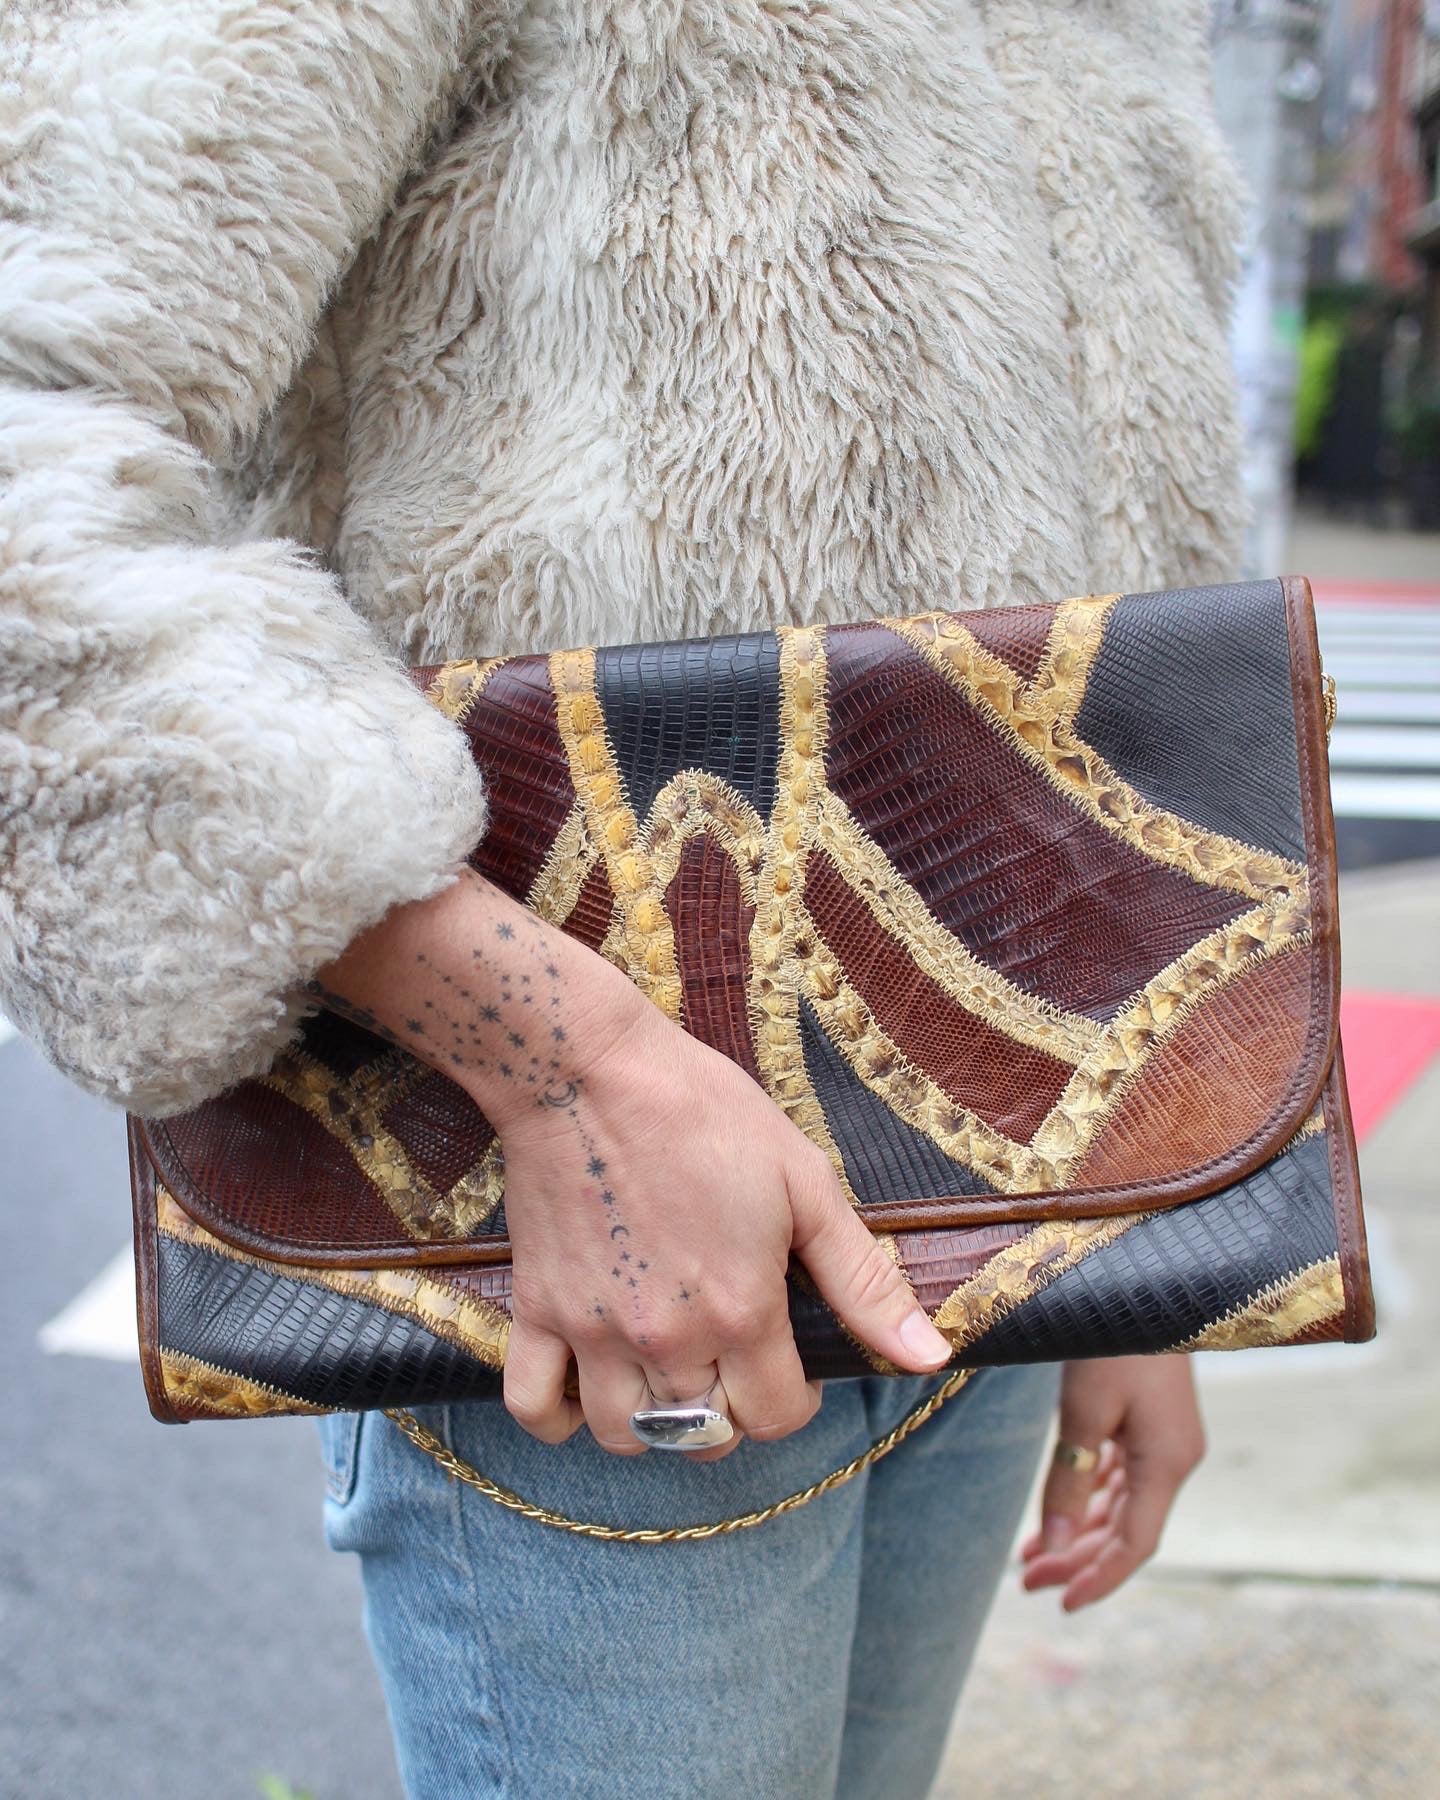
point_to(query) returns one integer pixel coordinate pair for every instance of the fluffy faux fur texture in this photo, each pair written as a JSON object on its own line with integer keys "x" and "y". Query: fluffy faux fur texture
{"x": 504, "y": 326}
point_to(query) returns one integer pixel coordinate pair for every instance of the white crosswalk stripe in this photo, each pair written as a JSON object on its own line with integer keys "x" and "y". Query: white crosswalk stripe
{"x": 100, "y": 1320}
{"x": 1373, "y": 747}
{"x": 1385, "y": 657}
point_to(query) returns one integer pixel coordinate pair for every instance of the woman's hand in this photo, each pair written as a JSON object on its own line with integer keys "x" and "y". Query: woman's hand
{"x": 653, "y": 1192}
{"x": 1097, "y": 1527}
{"x": 652, "y": 1221}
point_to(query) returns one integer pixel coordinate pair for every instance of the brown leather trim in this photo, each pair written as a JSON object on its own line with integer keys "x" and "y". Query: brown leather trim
{"x": 1314, "y": 1067}
{"x": 1359, "y": 1321}
{"x": 147, "y": 1298}
{"x": 1313, "y": 753}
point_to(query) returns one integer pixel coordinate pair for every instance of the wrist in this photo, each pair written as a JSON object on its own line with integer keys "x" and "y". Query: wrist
{"x": 487, "y": 992}
{"x": 601, "y": 1017}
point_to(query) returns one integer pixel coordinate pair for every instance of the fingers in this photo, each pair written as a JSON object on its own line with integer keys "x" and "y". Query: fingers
{"x": 768, "y": 1393}
{"x": 536, "y": 1364}
{"x": 855, "y": 1276}
{"x": 696, "y": 1381}
{"x": 1146, "y": 1407}
{"x": 1063, "y": 1503}
{"x": 610, "y": 1390}
{"x": 1089, "y": 1414}
{"x": 1109, "y": 1479}
{"x": 677, "y": 1382}
{"x": 720, "y": 1399}
{"x": 1057, "y": 1568}
{"x": 1133, "y": 1540}
{"x": 1162, "y": 1448}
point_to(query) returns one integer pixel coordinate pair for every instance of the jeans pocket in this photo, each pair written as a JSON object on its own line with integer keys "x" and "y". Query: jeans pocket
{"x": 340, "y": 1452}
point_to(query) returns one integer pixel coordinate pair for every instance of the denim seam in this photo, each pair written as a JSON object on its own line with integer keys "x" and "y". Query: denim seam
{"x": 480, "y": 1643}
{"x": 341, "y": 1471}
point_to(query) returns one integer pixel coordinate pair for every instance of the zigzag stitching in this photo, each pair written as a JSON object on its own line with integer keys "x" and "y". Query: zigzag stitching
{"x": 1038, "y": 728}
{"x": 1278, "y": 1312}
{"x": 476, "y": 1326}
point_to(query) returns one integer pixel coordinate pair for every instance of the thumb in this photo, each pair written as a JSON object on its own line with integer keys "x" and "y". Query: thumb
{"x": 855, "y": 1276}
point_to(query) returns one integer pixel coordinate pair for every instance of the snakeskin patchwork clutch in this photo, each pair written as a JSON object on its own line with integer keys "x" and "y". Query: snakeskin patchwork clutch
{"x": 1027, "y": 917}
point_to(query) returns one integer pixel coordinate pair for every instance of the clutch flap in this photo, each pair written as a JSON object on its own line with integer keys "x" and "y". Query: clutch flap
{"x": 1021, "y": 914}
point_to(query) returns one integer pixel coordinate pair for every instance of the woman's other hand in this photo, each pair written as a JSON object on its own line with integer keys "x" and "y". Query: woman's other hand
{"x": 1098, "y": 1526}
{"x": 653, "y": 1192}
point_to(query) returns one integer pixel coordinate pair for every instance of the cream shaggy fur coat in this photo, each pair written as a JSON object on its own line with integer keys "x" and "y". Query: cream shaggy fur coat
{"x": 341, "y": 333}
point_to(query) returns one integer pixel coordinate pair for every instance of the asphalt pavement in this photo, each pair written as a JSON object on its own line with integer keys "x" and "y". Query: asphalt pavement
{"x": 172, "y": 1625}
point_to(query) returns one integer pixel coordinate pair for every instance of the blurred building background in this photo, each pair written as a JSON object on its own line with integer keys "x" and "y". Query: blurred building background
{"x": 1333, "y": 112}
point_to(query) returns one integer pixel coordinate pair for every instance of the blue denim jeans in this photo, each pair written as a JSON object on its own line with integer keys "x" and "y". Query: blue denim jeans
{"x": 819, "y": 1655}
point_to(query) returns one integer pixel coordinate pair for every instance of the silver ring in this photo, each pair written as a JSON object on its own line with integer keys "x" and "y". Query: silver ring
{"x": 683, "y": 1425}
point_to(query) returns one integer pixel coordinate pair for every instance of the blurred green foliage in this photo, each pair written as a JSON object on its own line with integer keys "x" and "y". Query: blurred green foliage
{"x": 273, "y": 1788}
{"x": 1315, "y": 384}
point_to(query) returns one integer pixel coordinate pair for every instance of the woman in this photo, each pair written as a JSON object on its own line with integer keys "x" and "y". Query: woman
{"x": 339, "y": 335}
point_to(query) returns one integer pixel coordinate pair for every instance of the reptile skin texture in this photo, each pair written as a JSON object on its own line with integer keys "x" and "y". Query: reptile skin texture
{"x": 1026, "y": 917}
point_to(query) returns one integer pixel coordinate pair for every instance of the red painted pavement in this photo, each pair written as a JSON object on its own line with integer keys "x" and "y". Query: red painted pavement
{"x": 1376, "y": 593}
{"x": 1390, "y": 1040}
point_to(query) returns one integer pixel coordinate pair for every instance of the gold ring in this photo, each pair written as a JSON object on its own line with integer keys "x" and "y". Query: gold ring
{"x": 1077, "y": 1456}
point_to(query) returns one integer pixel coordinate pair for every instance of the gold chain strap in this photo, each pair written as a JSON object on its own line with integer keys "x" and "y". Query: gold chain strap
{"x": 460, "y": 1470}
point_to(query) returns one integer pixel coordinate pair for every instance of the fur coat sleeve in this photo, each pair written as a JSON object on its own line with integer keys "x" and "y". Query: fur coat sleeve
{"x": 211, "y": 776}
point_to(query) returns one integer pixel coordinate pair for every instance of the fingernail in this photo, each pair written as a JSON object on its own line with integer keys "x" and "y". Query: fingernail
{"x": 922, "y": 1340}
{"x": 1056, "y": 1532}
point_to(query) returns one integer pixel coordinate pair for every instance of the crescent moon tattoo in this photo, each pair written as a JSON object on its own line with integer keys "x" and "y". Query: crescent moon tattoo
{"x": 559, "y": 1097}
{"x": 619, "y": 1231}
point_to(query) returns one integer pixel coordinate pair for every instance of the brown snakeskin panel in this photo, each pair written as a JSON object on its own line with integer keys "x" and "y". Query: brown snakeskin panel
{"x": 1026, "y": 917}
